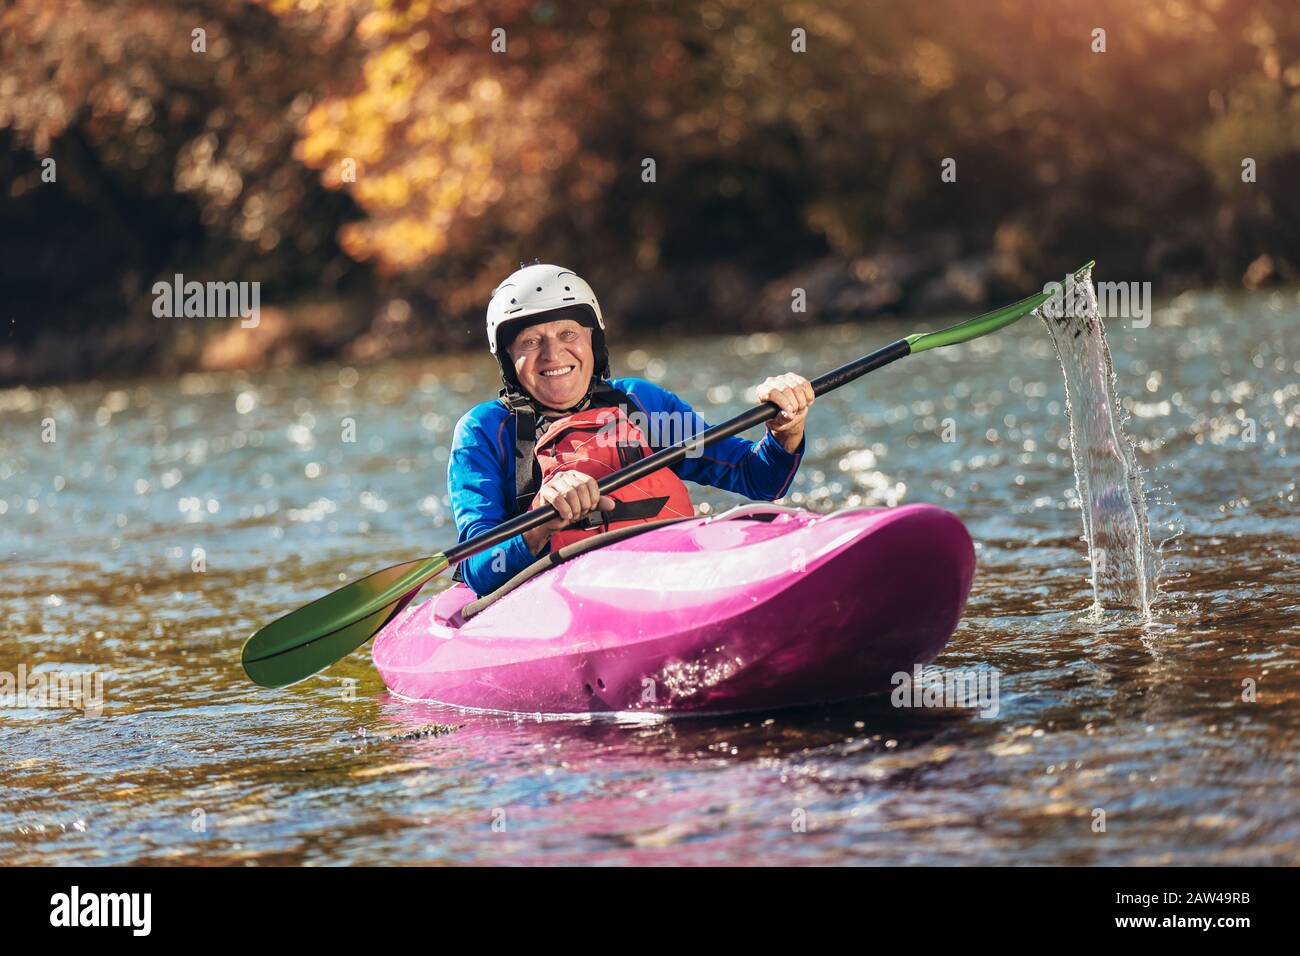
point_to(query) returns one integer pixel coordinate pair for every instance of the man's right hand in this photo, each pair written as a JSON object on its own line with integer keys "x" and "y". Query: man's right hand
{"x": 574, "y": 495}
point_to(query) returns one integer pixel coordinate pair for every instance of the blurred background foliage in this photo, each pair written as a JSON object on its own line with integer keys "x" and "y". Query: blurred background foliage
{"x": 774, "y": 169}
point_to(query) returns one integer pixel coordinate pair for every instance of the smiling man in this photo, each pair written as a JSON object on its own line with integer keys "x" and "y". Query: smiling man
{"x": 546, "y": 439}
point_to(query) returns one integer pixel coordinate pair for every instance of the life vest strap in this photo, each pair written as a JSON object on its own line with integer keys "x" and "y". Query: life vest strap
{"x": 642, "y": 509}
{"x": 527, "y": 471}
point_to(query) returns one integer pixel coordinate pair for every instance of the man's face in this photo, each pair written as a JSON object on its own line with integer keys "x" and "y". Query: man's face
{"x": 554, "y": 361}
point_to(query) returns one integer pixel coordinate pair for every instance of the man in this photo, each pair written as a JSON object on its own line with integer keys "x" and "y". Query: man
{"x": 561, "y": 423}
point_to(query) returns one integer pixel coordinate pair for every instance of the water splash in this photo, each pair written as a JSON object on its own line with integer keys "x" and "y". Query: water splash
{"x": 1125, "y": 566}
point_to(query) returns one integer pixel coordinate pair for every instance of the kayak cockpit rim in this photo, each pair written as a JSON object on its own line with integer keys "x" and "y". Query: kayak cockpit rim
{"x": 751, "y": 511}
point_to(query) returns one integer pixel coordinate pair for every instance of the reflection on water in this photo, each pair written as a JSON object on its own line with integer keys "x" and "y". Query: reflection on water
{"x": 167, "y": 520}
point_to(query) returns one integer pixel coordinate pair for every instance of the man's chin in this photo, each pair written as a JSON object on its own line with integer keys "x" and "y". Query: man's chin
{"x": 552, "y": 399}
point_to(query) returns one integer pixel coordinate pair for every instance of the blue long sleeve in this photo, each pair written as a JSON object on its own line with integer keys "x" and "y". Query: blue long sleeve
{"x": 482, "y": 495}
{"x": 761, "y": 470}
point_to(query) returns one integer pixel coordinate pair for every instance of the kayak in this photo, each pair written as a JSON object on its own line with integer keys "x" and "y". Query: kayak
{"x": 760, "y": 607}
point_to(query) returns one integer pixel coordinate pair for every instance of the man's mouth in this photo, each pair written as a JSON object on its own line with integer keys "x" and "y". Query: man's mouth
{"x": 557, "y": 372}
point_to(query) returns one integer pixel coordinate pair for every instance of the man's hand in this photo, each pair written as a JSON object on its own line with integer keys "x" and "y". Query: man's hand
{"x": 794, "y": 394}
{"x": 574, "y": 495}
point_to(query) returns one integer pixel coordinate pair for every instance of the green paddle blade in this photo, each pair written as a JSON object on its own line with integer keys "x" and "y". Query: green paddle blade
{"x": 983, "y": 324}
{"x": 312, "y": 638}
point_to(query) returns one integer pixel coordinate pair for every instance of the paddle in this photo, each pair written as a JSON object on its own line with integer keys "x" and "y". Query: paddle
{"x": 312, "y": 638}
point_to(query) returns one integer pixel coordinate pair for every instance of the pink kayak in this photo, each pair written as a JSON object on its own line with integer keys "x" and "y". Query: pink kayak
{"x": 758, "y": 608}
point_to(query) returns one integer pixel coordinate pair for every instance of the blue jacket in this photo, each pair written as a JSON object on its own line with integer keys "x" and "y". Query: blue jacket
{"x": 481, "y": 473}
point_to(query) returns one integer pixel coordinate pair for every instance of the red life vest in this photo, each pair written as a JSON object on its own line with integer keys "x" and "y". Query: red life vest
{"x": 598, "y": 442}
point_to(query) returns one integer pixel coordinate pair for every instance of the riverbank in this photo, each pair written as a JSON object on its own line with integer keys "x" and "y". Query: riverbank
{"x": 927, "y": 278}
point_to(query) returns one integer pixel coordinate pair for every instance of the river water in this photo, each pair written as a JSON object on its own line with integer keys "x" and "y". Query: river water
{"x": 168, "y": 519}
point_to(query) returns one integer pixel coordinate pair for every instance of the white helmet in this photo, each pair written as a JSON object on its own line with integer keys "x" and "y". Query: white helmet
{"x": 535, "y": 289}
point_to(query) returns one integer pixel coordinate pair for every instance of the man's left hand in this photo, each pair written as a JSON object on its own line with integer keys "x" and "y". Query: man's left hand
{"x": 794, "y": 395}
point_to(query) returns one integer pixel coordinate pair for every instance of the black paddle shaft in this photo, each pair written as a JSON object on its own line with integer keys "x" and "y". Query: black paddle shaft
{"x": 667, "y": 457}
